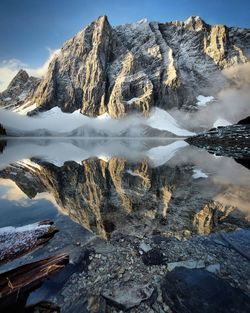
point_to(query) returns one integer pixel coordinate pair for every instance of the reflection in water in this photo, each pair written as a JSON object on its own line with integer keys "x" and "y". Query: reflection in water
{"x": 3, "y": 144}
{"x": 133, "y": 187}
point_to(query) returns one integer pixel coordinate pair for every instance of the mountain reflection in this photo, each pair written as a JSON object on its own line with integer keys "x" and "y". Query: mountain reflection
{"x": 135, "y": 187}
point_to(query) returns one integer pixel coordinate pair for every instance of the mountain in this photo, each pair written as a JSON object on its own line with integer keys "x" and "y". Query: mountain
{"x": 134, "y": 67}
{"x": 19, "y": 90}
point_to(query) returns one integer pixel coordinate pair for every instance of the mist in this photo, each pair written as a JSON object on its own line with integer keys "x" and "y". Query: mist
{"x": 231, "y": 104}
{"x": 232, "y": 101}
{"x": 64, "y": 123}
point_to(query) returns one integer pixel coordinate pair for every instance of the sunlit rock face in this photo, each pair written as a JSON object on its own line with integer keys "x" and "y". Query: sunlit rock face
{"x": 114, "y": 194}
{"x": 133, "y": 67}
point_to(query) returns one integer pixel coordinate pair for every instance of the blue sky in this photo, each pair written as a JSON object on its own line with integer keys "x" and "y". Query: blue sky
{"x": 29, "y": 28}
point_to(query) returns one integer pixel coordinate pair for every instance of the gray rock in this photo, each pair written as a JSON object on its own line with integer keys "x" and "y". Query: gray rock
{"x": 187, "y": 264}
{"x": 197, "y": 290}
{"x": 145, "y": 247}
{"x": 128, "y": 297}
{"x": 213, "y": 268}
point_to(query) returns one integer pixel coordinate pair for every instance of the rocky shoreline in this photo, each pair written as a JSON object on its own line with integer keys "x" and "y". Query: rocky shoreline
{"x": 232, "y": 141}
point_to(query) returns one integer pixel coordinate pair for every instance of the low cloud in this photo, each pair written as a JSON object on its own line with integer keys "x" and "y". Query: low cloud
{"x": 232, "y": 102}
{"x": 9, "y": 68}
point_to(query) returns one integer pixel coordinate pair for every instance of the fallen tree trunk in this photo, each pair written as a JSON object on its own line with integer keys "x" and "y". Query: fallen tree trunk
{"x": 15, "y": 242}
{"x": 15, "y": 285}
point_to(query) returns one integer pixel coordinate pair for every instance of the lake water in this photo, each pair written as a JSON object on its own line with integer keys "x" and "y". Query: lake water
{"x": 105, "y": 184}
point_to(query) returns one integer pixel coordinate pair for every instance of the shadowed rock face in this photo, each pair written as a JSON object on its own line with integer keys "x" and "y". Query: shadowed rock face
{"x": 104, "y": 196}
{"x": 136, "y": 66}
{"x": 19, "y": 90}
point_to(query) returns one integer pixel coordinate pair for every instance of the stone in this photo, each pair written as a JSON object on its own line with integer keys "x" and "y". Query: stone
{"x": 145, "y": 247}
{"x": 153, "y": 257}
{"x": 199, "y": 291}
{"x": 213, "y": 268}
{"x": 187, "y": 264}
{"x": 127, "y": 297}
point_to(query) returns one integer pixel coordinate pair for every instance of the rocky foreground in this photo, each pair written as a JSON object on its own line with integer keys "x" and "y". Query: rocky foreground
{"x": 159, "y": 274}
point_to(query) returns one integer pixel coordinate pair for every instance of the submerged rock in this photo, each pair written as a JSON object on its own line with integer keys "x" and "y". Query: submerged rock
{"x": 197, "y": 290}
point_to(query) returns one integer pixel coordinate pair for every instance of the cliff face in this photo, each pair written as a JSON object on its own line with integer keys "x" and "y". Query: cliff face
{"x": 133, "y": 67}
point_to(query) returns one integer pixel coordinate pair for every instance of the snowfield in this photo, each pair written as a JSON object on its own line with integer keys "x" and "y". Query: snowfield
{"x": 162, "y": 120}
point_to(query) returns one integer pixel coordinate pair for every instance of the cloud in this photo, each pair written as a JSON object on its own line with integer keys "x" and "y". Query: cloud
{"x": 9, "y": 68}
{"x": 232, "y": 102}
{"x": 13, "y": 192}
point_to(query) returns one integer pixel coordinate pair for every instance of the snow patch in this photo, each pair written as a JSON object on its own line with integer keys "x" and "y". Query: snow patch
{"x": 199, "y": 174}
{"x": 221, "y": 122}
{"x": 25, "y": 108}
{"x": 104, "y": 116}
{"x": 104, "y": 157}
{"x": 162, "y": 120}
{"x": 203, "y": 101}
{"x": 132, "y": 173}
{"x": 131, "y": 101}
{"x": 26, "y": 228}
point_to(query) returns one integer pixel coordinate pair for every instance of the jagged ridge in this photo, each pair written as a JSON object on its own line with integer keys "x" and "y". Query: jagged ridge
{"x": 136, "y": 66}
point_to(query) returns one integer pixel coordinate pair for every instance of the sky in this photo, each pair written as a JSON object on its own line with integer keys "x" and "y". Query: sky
{"x": 32, "y": 30}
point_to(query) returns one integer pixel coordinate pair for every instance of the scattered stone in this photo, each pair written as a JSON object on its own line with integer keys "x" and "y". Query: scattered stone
{"x": 197, "y": 290}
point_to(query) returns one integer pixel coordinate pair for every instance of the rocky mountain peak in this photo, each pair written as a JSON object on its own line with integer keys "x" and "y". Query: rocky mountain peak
{"x": 20, "y": 88}
{"x": 194, "y": 23}
{"x": 134, "y": 67}
{"x": 21, "y": 78}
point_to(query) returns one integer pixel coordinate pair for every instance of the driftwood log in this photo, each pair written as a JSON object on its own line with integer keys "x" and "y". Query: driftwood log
{"x": 17, "y": 241}
{"x": 15, "y": 285}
